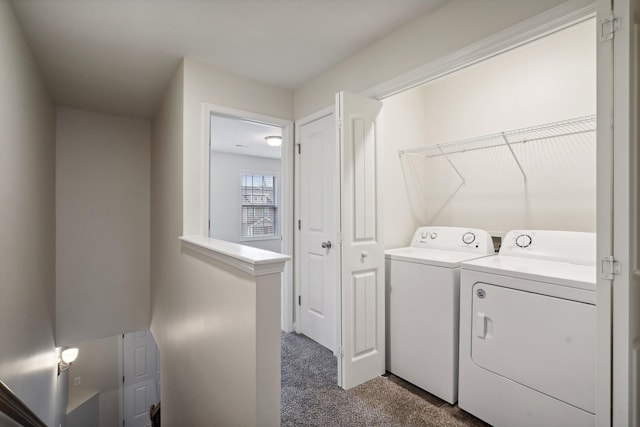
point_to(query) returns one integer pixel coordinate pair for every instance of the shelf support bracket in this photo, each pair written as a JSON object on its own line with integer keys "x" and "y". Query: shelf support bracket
{"x": 506, "y": 141}
{"x": 452, "y": 165}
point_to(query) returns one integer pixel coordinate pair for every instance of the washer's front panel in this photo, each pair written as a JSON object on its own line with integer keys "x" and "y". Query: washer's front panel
{"x": 422, "y": 333}
{"x": 541, "y": 342}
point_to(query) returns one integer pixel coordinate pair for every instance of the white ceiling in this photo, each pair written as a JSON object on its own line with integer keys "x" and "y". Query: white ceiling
{"x": 118, "y": 56}
{"x": 235, "y": 136}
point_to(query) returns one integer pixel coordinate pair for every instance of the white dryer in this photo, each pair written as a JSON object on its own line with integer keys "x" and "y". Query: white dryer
{"x": 423, "y": 291}
{"x": 528, "y": 331}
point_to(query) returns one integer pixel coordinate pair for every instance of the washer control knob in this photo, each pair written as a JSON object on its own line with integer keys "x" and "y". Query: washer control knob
{"x": 468, "y": 237}
{"x": 523, "y": 241}
{"x": 424, "y": 234}
{"x": 433, "y": 235}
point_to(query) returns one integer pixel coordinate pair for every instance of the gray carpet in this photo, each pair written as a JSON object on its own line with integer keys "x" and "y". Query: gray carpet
{"x": 310, "y": 396}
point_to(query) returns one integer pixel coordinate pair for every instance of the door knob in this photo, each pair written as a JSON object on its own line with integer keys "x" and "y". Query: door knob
{"x": 326, "y": 245}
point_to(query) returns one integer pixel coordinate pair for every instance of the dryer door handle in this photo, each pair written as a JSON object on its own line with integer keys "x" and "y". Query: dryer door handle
{"x": 481, "y": 325}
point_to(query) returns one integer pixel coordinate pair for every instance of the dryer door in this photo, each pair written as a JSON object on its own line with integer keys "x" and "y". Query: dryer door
{"x": 542, "y": 342}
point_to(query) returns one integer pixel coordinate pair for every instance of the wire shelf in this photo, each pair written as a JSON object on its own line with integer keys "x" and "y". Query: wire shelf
{"x": 564, "y": 128}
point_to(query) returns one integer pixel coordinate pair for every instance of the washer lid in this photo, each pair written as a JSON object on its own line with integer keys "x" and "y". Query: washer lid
{"x": 541, "y": 270}
{"x": 435, "y": 257}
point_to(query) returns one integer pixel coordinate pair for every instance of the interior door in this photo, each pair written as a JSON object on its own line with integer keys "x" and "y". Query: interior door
{"x": 621, "y": 138}
{"x": 362, "y": 293}
{"x": 141, "y": 369}
{"x": 318, "y": 164}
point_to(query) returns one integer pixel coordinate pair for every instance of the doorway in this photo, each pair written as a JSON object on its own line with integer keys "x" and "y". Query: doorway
{"x": 353, "y": 218}
{"x": 140, "y": 377}
{"x": 245, "y": 185}
{"x": 318, "y": 212}
{"x": 239, "y": 134}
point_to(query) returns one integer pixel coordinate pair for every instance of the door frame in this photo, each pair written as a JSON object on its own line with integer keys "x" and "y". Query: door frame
{"x": 604, "y": 227}
{"x": 295, "y": 308}
{"x": 285, "y": 199}
{"x": 548, "y": 22}
{"x": 620, "y": 56}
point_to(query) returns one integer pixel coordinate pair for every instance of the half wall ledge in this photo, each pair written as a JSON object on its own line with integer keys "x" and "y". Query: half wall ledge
{"x": 254, "y": 261}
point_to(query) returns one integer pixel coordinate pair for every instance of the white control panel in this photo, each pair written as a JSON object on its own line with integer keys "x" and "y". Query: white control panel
{"x": 453, "y": 238}
{"x": 563, "y": 246}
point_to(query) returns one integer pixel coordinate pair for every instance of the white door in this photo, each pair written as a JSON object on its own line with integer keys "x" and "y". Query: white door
{"x": 318, "y": 215}
{"x": 618, "y": 198}
{"x": 141, "y": 370}
{"x": 362, "y": 251}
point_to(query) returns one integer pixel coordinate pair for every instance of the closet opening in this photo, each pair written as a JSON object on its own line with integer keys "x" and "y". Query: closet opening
{"x": 506, "y": 143}
{"x": 511, "y": 143}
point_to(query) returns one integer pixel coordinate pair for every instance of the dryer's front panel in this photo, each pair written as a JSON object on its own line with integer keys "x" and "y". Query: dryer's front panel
{"x": 542, "y": 342}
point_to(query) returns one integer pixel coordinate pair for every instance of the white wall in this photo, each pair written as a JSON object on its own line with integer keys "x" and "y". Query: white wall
{"x": 28, "y": 359}
{"x": 169, "y": 313}
{"x": 86, "y": 414}
{"x": 225, "y": 210}
{"x": 404, "y": 128}
{"x": 99, "y": 368}
{"x": 203, "y": 312}
{"x": 103, "y": 220}
{"x": 453, "y": 26}
{"x": 548, "y": 80}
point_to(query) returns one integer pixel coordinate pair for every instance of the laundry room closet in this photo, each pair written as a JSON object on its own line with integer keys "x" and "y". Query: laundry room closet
{"x": 541, "y": 178}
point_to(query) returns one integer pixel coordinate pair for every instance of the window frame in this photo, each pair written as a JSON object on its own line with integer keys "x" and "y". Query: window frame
{"x": 275, "y": 205}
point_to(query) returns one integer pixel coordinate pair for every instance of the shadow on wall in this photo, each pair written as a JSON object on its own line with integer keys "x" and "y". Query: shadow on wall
{"x": 543, "y": 174}
{"x": 422, "y": 200}
{"x": 86, "y": 414}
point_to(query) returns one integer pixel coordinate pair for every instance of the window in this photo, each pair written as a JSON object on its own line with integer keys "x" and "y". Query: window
{"x": 259, "y": 206}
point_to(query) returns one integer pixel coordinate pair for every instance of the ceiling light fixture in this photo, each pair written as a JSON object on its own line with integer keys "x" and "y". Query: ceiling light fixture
{"x": 274, "y": 140}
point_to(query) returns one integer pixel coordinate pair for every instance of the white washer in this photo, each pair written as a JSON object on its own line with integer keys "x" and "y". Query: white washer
{"x": 528, "y": 331}
{"x": 423, "y": 291}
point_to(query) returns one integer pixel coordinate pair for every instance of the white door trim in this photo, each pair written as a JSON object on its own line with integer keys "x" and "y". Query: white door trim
{"x": 624, "y": 146}
{"x": 294, "y": 308}
{"x": 286, "y": 196}
{"x": 604, "y": 226}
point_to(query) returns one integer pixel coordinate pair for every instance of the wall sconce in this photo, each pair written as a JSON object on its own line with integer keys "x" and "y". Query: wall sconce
{"x": 67, "y": 356}
{"x": 274, "y": 140}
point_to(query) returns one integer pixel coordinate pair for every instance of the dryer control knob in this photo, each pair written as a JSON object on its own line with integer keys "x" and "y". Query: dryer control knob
{"x": 523, "y": 241}
{"x": 433, "y": 235}
{"x": 468, "y": 237}
{"x": 424, "y": 234}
